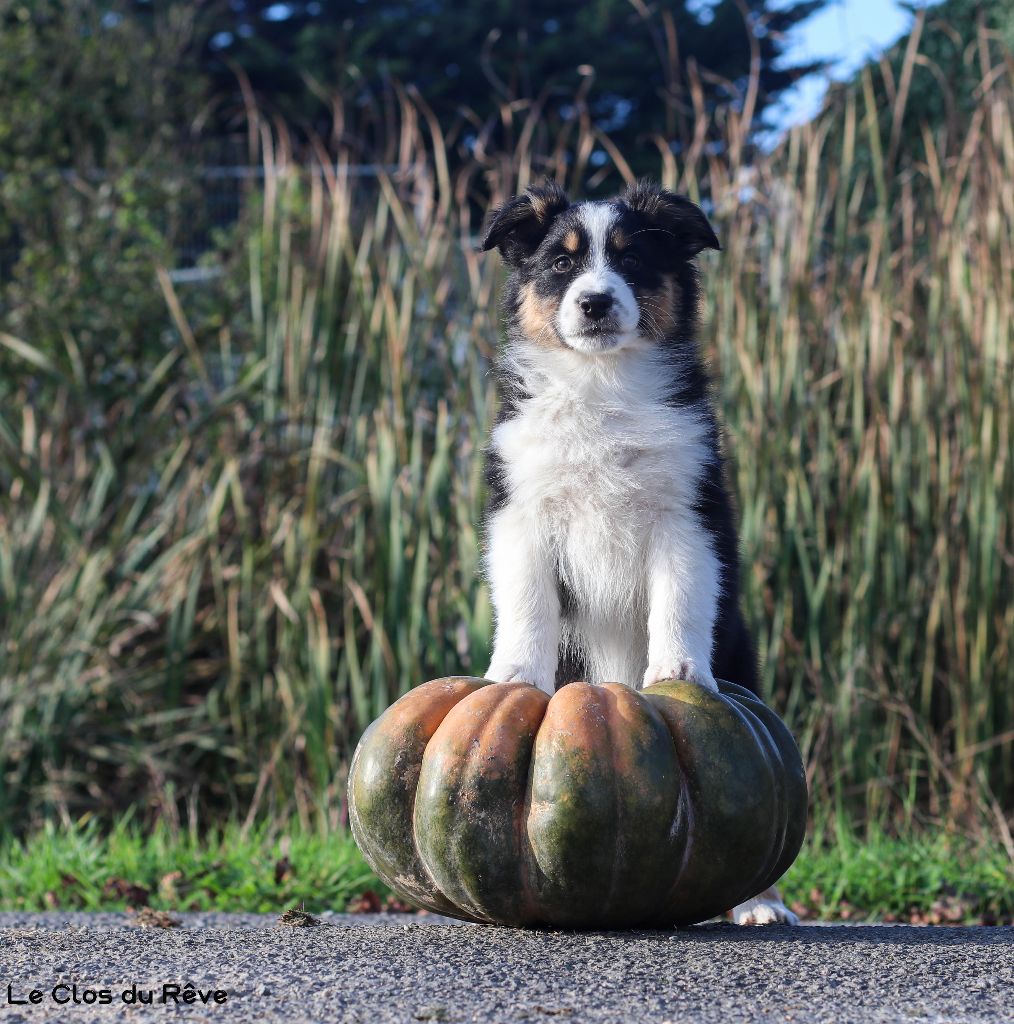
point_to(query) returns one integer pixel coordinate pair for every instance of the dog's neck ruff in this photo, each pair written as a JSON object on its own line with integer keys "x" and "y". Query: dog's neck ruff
{"x": 636, "y": 375}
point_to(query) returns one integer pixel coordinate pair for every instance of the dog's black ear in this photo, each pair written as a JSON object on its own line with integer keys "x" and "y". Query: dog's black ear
{"x": 674, "y": 214}
{"x": 517, "y": 227}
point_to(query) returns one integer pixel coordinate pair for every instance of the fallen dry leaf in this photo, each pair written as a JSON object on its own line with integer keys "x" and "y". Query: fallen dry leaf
{"x": 167, "y": 886}
{"x": 146, "y": 917}
{"x": 393, "y": 905}
{"x": 283, "y": 870}
{"x": 367, "y": 902}
{"x": 298, "y": 919}
{"x": 120, "y": 889}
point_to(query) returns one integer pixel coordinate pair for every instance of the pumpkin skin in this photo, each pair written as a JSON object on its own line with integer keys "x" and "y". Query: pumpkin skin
{"x": 603, "y": 807}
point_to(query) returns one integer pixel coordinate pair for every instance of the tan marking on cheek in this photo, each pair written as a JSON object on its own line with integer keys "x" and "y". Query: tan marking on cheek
{"x": 538, "y": 318}
{"x": 572, "y": 240}
{"x": 660, "y": 309}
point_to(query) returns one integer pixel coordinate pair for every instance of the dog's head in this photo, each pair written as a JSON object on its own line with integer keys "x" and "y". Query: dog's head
{"x": 598, "y": 277}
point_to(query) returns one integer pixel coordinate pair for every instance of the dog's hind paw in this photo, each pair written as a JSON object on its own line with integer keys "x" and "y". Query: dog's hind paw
{"x": 767, "y": 908}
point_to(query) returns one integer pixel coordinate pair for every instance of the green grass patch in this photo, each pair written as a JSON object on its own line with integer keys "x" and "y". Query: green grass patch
{"x": 928, "y": 878}
{"x": 84, "y": 868}
{"x": 923, "y": 878}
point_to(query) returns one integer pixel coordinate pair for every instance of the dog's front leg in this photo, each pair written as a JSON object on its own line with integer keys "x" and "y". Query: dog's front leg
{"x": 526, "y": 604}
{"x": 684, "y": 584}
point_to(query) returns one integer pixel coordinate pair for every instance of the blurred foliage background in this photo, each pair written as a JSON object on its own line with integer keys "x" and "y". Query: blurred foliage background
{"x": 240, "y": 456}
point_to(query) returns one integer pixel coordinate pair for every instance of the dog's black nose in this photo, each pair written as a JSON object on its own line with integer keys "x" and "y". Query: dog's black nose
{"x": 595, "y": 305}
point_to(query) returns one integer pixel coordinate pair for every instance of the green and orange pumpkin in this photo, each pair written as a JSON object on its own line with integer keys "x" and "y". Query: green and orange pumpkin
{"x": 602, "y": 807}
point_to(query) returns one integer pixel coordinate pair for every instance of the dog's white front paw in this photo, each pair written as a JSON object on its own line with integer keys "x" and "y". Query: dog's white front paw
{"x": 763, "y": 909}
{"x": 680, "y": 668}
{"x": 506, "y": 672}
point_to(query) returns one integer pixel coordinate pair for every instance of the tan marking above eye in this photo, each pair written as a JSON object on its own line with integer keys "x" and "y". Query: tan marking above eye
{"x": 572, "y": 240}
{"x": 619, "y": 240}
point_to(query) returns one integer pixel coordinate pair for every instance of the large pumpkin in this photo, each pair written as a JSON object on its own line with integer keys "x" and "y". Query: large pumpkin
{"x": 601, "y": 807}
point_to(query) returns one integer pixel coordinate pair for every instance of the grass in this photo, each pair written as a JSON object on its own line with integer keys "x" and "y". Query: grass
{"x": 220, "y": 562}
{"x": 919, "y": 877}
{"x": 940, "y": 880}
{"x": 236, "y": 869}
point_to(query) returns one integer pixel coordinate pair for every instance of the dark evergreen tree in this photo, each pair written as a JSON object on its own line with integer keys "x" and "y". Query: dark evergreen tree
{"x": 482, "y": 55}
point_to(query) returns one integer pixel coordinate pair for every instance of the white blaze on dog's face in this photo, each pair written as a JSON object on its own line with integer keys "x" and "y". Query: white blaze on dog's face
{"x": 599, "y": 277}
{"x": 598, "y": 311}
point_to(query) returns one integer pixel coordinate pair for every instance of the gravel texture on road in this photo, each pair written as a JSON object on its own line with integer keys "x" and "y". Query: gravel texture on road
{"x": 378, "y": 968}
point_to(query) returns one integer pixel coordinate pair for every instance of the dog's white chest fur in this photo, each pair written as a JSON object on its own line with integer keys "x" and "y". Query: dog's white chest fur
{"x": 602, "y": 472}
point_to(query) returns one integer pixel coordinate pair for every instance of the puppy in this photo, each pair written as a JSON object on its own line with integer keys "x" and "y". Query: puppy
{"x": 610, "y": 541}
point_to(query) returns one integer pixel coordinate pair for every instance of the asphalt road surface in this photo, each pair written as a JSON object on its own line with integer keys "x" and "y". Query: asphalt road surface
{"x": 378, "y": 968}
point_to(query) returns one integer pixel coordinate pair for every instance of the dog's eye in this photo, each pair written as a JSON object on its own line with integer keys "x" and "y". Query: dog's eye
{"x": 562, "y": 264}
{"x": 631, "y": 262}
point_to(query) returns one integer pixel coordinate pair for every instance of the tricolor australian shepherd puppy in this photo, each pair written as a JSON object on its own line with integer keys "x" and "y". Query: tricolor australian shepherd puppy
{"x": 610, "y": 539}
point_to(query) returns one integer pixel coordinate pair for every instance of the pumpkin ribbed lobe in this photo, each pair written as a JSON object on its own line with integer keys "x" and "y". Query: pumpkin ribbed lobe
{"x": 647, "y": 784}
{"x": 469, "y": 816}
{"x": 791, "y": 778}
{"x": 736, "y": 793}
{"x": 603, "y": 799}
{"x": 572, "y": 814}
{"x": 382, "y": 786}
{"x": 779, "y": 821}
